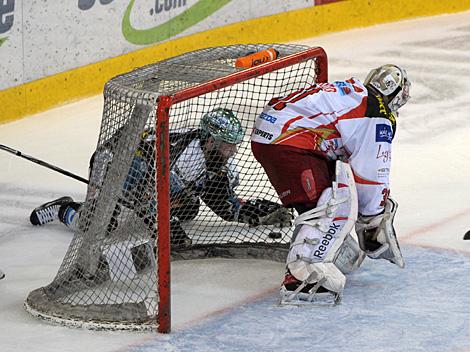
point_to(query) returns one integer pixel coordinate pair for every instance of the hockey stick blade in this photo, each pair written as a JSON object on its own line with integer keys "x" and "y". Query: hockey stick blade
{"x": 42, "y": 163}
{"x": 467, "y": 235}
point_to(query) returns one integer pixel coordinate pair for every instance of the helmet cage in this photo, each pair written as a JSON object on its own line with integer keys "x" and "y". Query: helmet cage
{"x": 402, "y": 97}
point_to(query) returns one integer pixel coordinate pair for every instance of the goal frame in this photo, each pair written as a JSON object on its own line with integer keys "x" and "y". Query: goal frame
{"x": 162, "y": 157}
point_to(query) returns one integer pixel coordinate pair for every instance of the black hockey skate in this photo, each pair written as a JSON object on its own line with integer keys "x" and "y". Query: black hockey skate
{"x": 48, "y": 212}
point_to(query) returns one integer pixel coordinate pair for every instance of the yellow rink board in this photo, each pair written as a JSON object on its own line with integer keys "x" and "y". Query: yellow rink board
{"x": 89, "y": 80}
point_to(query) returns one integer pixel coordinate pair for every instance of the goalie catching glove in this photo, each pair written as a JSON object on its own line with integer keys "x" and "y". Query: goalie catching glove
{"x": 377, "y": 237}
{"x": 264, "y": 212}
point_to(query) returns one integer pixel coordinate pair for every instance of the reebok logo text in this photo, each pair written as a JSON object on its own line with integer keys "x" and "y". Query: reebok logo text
{"x": 326, "y": 240}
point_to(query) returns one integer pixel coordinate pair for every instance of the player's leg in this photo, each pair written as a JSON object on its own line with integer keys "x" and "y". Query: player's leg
{"x": 299, "y": 176}
{"x": 187, "y": 210}
{"x": 321, "y": 249}
{"x": 69, "y": 214}
{"x": 48, "y": 212}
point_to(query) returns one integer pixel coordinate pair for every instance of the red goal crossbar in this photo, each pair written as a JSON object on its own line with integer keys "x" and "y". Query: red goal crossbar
{"x": 163, "y": 160}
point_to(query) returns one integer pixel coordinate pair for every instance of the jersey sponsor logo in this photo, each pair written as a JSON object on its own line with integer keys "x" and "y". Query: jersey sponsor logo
{"x": 383, "y": 172}
{"x": 263, "y": 134}
{"x": 266, "y": 117}
{"x": 343, "y": 87}
{"x": 383, "y": 133}
{"x": 383, "y": 154}
{"x": 284, "y": 194}
{"x": 326, "y": 240}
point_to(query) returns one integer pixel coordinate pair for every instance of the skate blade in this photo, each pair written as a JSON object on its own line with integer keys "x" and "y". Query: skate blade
{"x": 323, "y": 299}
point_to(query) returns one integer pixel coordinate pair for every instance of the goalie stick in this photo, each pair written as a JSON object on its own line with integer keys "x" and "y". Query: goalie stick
{"x": 43, "y": 163}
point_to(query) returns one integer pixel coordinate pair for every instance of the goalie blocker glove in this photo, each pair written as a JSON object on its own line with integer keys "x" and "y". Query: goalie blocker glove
{"x": 264, "y": 212}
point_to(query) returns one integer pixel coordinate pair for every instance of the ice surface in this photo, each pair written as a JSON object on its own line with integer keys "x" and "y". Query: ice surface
{"x": 222, "y": 305}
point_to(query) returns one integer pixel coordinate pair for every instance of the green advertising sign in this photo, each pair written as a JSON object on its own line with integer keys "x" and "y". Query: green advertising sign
{"x": 188, "y": 18}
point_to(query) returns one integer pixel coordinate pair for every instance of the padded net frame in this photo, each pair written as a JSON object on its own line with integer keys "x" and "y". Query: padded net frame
{"x": 116, "y": 272}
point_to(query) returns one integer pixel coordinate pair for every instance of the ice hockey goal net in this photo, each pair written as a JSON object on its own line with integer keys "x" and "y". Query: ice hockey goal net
{"x": 116, "y": 272}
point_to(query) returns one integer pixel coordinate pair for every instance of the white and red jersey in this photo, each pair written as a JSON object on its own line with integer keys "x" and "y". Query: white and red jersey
{"x": 343, "y": 120}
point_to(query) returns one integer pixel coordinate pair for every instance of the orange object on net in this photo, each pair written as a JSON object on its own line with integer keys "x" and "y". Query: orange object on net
{"x": 257, "y": 58}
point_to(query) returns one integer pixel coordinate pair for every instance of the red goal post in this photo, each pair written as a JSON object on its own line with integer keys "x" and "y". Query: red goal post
{"x": 116, "y": 272}
{"x": 163, "y": 159}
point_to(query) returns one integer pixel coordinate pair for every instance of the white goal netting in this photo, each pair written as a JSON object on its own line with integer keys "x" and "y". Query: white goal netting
{"x": 108, "y": 278}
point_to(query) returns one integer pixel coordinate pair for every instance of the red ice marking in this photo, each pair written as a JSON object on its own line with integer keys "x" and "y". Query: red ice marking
{"x": 433, "y": 226}
{"x": 228, "y": 308}
{"x": 441, "y": 223}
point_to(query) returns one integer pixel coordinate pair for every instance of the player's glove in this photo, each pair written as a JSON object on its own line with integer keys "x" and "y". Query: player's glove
{"x": 264, "y": 212}
{"x": 376, "y": 235}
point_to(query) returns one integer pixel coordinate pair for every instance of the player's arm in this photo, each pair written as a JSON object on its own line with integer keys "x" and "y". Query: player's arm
{"x": 221, "y": 198}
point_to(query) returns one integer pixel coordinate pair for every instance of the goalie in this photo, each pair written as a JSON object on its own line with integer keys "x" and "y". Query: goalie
{"x": 202, "y": 168}
{"x": 327, "y": 151}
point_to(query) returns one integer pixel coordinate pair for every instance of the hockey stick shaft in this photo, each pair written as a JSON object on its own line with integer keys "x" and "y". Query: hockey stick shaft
{"x": 43, "y": 163}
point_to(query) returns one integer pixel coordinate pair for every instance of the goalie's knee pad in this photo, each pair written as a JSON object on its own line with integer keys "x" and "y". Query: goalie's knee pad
{"x": 377, "y": 236}
{"x": 320, "y": 232}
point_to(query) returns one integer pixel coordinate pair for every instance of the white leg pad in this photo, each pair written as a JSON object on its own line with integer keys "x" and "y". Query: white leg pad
{"x": 333, "y": 279}
{"x": 350, "y": 256}
{"x": 320, "y": 233}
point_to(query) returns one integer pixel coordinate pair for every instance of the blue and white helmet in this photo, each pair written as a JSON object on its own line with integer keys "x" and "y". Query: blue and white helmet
{"x": 223, "y": 125}
{"x": 392, "y": 83}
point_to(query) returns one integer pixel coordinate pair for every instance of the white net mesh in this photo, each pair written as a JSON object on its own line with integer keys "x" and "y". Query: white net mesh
{"x": 108, "y": 276}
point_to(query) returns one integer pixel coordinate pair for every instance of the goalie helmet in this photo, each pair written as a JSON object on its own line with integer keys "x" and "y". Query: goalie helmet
{"x": 223, "y": 125}
{"x": 392, "y": 83}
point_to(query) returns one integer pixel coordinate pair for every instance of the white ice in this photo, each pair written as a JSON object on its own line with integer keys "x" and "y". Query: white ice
{"x": 222, "y": 305}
